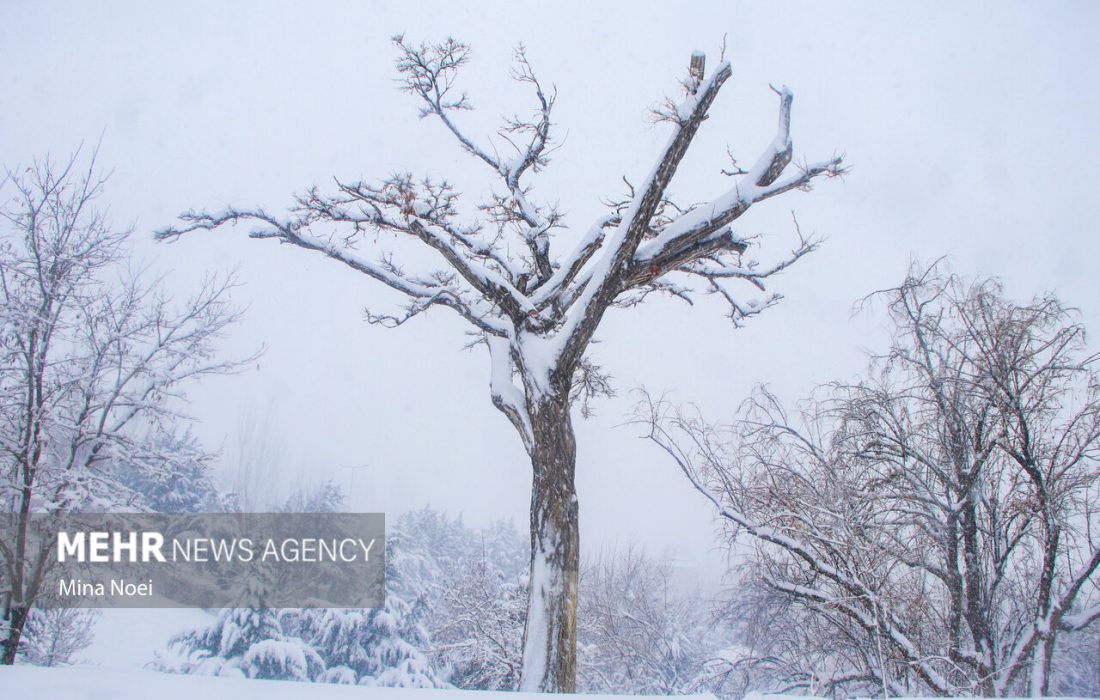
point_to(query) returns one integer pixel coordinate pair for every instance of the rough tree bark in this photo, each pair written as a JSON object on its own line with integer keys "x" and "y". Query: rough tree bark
{"x": 536, "y": 310}
{"x": 555, "y": 551}
{"x": 17, "y": 619}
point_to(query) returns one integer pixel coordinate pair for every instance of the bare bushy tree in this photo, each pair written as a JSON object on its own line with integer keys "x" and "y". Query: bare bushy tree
{"x": 643, "y": 632}
{"x": 255, "y": 462}
{"x": 477, "y": 629}
{"x": 92, "y": 362}
{"x": 52, "y": 637}
{"x": 534, "y": 304}
{"x": 932, "y": 527}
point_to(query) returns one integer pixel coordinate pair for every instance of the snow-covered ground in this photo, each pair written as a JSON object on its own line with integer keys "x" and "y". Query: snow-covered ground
{"x": 92, "y": 683}
{"x": 115, "y": 667}
{"x": 128, "y": 638}
{"x": 88, "y": 683}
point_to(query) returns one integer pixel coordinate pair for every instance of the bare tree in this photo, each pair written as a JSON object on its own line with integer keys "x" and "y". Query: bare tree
{"x": 642, "y": 632}
{"x": 934, "y": 522}
{"x": 255, "y": 463}
{"x": 478, "y": 632}
{"x": 92, "y": 363}
{"x": 52, "y": 637}
{"x": 533, "y": 307}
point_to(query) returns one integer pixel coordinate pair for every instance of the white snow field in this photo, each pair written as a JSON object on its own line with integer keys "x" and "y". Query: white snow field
{"x": 114, "y": 667}
{"x": 95, "y": 683}
{"x": 131, "y": 638}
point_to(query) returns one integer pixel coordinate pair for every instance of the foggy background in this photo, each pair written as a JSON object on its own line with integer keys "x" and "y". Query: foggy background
{"x": 970, "y": 131}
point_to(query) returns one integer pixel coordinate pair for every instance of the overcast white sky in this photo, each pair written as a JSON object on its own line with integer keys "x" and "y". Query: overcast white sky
{"x": 971, "y": 132}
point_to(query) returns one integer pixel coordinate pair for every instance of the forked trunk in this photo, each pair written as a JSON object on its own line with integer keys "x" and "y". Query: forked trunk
{"x": 550, "y": 635}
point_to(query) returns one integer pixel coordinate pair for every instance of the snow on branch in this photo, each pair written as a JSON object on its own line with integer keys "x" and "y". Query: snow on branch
{"x": 536, "y": 309}
{"x": 429, "y": 72}
{"x": 499, "y": 270}
{"x": 96, "y": 354}
{"x": 957, "y": 476}
{"x": 644, "y": 248}
{"x": 694, "y": 446}
{"x": 440, "y": 288}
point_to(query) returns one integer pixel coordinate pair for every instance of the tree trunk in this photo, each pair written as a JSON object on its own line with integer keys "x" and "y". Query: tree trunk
{"x": 16, "y": 615}
{"x": 18, "y": 618}
{"x": 550, "y": 635}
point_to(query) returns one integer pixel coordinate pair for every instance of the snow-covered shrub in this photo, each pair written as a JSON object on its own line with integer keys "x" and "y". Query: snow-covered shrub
{"x": 472, "y": 586}
{"x": 283, "y": 659}
{"x": 52, "y": 637}
{"x": 326, "y": 497}
{"x": 379, "y": 647}
{"x": 221, "y": 648}
{"x": 249, "y": 642}
{"x": 382, "y": 647}
{"x": 642, "y": 631}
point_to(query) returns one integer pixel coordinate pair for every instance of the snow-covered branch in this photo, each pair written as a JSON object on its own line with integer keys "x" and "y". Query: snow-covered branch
{"x": 537, "y": 308}
{"x": 429, "y": 72}
{"x": 93, "y": 362}
{"x": 439, "y": 289}
{"x": 605, "y": 281}
{"x": 910, "y": 514}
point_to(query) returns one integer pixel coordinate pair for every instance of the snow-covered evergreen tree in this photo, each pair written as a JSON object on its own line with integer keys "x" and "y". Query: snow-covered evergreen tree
{"x": 382, "y": 647}
{"x": 424, "y": 549}
{"x": 249, "y": 641}
{"x": 377, "y": 647}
